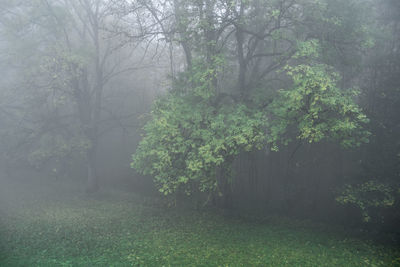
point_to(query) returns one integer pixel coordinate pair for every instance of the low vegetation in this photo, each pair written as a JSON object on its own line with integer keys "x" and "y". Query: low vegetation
{"x": 115, "y": 228}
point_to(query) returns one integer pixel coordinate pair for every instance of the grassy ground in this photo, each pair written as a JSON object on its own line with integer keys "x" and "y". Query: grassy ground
{"x": 41, "y": 227}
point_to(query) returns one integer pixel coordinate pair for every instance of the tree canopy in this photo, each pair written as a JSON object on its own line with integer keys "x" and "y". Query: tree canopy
{"x": 284, "y": 88}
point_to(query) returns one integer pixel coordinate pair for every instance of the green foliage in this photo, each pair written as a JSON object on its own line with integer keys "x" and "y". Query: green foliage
{"x": 343, "y": 28}
{"x": 367, "y": 197}
{"x": 201, "y": 78}
{"x": 316, "y": 108}
{"x": 308, "y": 49}
{"x": 187, "y": 138}
{"x": 192, "y": 133}
{"x": 52, "y": 225}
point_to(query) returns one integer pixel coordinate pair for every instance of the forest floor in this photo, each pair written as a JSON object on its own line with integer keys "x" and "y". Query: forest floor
{"x": 58, "y": 225}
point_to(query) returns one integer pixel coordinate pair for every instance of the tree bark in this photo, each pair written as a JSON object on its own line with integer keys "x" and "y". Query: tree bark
{"x": 240, "y": 54}
{"x": 92, "y": 181}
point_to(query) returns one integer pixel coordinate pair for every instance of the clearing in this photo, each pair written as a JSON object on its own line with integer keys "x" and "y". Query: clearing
{"x": 58, "y": 225}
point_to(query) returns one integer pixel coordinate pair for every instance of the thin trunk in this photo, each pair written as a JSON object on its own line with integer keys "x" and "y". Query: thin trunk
{"x": 92, "y": 179}
{"x": 92, "y": 182}
{"x": 210, "y": 37}
{"x": 182, "y": 28}
{"x": 242, "y": 63}
{"x": 241, "y": 57}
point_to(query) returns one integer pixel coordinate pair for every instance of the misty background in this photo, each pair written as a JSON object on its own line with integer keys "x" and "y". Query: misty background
{"x": 254, "y": 108}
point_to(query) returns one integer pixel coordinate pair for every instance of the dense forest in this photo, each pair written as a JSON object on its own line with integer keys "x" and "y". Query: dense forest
{"x": 246, "y": 108}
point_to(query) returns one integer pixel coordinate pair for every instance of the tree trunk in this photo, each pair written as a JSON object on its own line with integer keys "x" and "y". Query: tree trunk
{"x": 240, "y": 54}
{"x": 92, "y": 179}
{"x": 92, "y": 184}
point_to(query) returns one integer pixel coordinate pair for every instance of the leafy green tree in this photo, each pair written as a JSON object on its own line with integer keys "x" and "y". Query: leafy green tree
{"x": 202, "y": 125}
{"x": 190, "y": 137}
{"x": 317, "y": 108}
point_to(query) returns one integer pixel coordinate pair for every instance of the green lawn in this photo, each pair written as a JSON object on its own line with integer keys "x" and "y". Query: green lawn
{"x": 56, "y": 228}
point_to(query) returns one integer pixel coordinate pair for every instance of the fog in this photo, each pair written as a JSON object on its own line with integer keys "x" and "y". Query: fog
{"x": 199, "y": 133}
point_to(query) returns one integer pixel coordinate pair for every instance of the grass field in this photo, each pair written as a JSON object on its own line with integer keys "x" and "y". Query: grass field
{"x": 64, "y": 227}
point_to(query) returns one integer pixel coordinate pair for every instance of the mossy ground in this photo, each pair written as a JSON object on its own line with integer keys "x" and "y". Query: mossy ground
{"x": 64, "y": 227}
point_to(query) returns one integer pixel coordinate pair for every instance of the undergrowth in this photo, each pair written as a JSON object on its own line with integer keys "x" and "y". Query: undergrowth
{"x": 64, "y": 227}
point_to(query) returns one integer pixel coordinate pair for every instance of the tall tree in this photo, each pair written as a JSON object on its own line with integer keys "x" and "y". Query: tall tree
{"x": 72, "y": 58}
{"x": 263, "y": 46}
